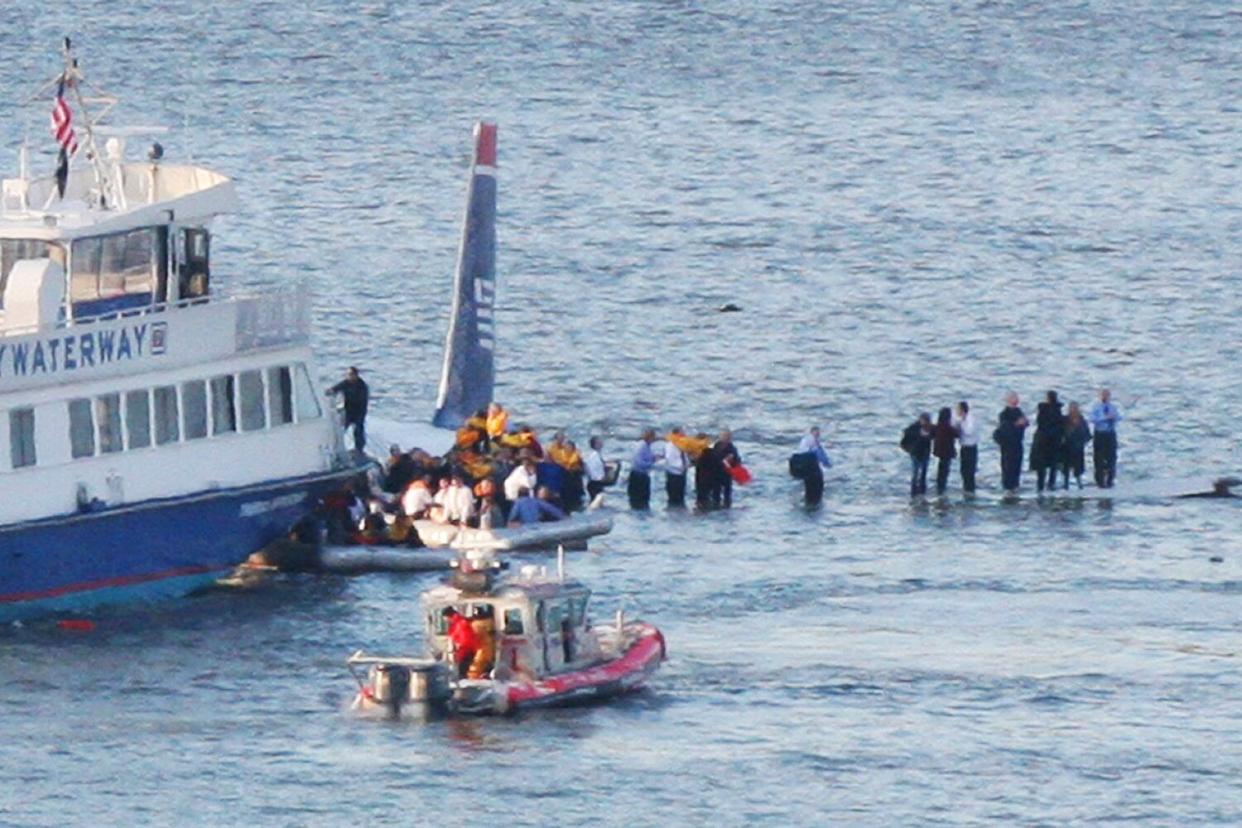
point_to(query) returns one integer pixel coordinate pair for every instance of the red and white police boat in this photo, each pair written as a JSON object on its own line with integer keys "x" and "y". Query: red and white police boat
{"x": 497, "y": 643}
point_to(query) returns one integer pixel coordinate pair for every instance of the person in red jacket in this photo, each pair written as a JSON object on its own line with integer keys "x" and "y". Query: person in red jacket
{"x": 465, "y": 641}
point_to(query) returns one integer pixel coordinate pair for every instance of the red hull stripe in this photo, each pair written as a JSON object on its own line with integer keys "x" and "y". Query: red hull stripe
{"x": 638, "y": 659}
{"x": 105, "y": 583}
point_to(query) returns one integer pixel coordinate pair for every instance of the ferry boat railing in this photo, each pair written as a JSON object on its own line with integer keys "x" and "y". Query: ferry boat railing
{"x": 278, "y": 317}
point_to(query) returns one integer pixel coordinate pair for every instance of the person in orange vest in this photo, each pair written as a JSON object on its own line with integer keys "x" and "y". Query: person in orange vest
{"x": 497, "y": 420}
{"x": 485, "y": 643}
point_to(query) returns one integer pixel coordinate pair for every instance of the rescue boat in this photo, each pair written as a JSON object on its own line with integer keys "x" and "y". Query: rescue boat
{"x": 536, "y": 646}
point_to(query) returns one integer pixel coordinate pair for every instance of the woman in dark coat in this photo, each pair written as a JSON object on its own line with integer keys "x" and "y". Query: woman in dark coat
{"x": 1073, "y": 449}
{"x": 944, "y": 439}
{"x": 1046, "y": 445}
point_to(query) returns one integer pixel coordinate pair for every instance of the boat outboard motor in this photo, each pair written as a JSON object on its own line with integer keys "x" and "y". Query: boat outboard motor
{"x": 390, "y": 686}
{"x": 415, "y": 688}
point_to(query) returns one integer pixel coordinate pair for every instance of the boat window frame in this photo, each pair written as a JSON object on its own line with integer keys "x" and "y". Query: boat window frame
{"x": 81, "y": 430}
{"x": 203, "y": 411}
{"x": 506, "y": 616}
{"x": 221, "y": 425}
{"x": 22, "y": 426}
{"x": 246, "y": 401}
{"x": 130, "y": 418}
{"x": 105, "y": 251}
{"x": 109, "y": 423}
{"x": 279, "y": 392}
{"x": 163, "y": 435}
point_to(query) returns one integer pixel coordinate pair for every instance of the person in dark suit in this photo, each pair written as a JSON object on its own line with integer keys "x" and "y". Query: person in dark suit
{"x": 1046, "y": 444}
{"x": 726, "y": 458}
{"x": 1010, "y": 429}
{"x": 916, "y": 440}
{"x": 944, "y": 439}
{"x": 356, "y": 395}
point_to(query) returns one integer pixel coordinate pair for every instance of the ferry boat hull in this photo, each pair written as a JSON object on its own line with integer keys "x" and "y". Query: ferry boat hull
{"x": 146, "y": 551}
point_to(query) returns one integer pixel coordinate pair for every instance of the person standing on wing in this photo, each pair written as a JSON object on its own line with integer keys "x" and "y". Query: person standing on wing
{"x": 1104, "y": 417}
{"x": 676, "y": 463}
{"x": 812, "y": 467}
{"x": 968, "y": 441}
{"x": 1010, "y": 428}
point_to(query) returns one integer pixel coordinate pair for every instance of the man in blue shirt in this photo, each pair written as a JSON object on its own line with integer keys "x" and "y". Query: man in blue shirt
{"x": 808, "y": 462}
{"x": 1104, "y": 418}
{"x": 529, "y": 510}
{"x": 639, "y": 485}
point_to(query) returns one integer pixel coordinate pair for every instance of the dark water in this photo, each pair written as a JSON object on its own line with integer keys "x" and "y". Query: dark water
{"x": 912, "y": 203}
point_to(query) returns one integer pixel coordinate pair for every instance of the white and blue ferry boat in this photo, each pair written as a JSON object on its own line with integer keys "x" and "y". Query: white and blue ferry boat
{"x": 154, "y": 430}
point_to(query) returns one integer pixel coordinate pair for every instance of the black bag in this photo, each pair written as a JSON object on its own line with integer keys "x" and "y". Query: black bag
{"x": 800, "y": 464}
{"x": 909, "y": 437}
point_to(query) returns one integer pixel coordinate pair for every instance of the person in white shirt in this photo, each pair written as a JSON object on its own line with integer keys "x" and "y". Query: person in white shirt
{"x": 416, "y": 499}
{"x": 522, "y": 477}
{"x": 808, "y": 463}
{"x": 968, "y": 439}
{"x": 458, "y": 502}
{"x": 676, "y": 462}
{"x": 596, "y": 471}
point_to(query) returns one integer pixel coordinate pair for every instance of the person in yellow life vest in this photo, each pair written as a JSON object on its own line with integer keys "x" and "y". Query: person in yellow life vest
{"x": 477, "y": 466}
{"x": 523, "y": 439}
{"x": 485, "y": 631}
{"x": 473, "y": 433}
{"x": 497, "y": 420}
{"x": 693, "y": 446}
{"x": 564, "y": 454}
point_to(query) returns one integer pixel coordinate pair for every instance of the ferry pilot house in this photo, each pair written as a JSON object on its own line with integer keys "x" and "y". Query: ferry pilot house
{"x": 121, "y": 271}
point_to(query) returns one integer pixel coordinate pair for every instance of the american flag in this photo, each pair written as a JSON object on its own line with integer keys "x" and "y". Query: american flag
{"x": 62, "y": 121}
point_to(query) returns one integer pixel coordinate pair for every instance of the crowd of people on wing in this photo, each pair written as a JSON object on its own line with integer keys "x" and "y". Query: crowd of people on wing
{"x": 494, "y": 476}
{"x": 716, "y": 465}
{"x": 1058, "y": 445}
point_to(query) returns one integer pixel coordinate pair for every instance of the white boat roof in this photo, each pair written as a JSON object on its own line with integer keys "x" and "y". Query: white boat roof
{"x": 144, "y": 194}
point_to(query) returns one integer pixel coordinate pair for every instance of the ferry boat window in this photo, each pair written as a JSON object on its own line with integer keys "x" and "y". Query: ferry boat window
{"x": 194, "y": 409}
{"x": 250, "y": 383}
{"x": 280, "y": 395}
{"x": 114, "y": 272}
{"x": 108, "y": 415}
{"x": 138, "y": 418}
{"x": 81, "y": 429}
{"x": 194, "y": 273}
{"x": 16, "y": 250}
{"x": 223, "y": 405}
{"x": 307, "y": 401}
{"x": 21, "y": 437}
{"x": 167, "y": 421}
{"x": 513, "y": 621}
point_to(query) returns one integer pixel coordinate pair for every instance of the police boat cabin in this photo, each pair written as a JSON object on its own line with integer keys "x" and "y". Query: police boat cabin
{"x": 154, "y": 431}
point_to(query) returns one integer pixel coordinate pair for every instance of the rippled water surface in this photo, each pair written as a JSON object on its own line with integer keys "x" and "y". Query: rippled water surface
{"x": 912, "y": 203}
